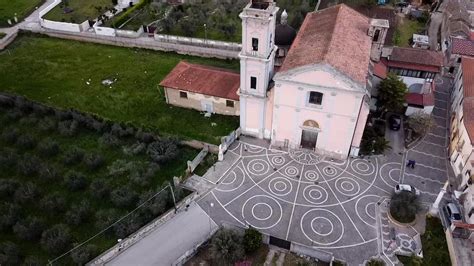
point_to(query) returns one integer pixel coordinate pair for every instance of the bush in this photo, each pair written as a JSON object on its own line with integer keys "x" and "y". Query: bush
{"x": 29, "y": 229}
{"x": 99, "y": 189}
{"x": 375, "y": 262}
{"x": 26, "y": 192}
{"x": 68, "y": 127}
{"x": 9, "y": 253}
{"x": 26, "y": 142}
{"x": 226, "y": 246}
{"x": 404, "y": 206}
{"x": 48, "y": 148}
{"x": 73, "y": 156}
{"x": 109, "y": 140}
{"x": 32, "y": 261}
{"x": 29, "y": 165}
{"x": 28, "y": 121}
{"x": 14, "y": 115}
{"x": 123, "y": 167}
{"x": 79, "y": 213}
{"x": 93, "y": 161}
{"x": 134, "y": 149}
{"x": 10, "y": 135}
{"x": 47, "y": 124}
{"x": 124, "y": 197}
{"x": 252, "y": 240}
{"x": 84, "y": 254}
{"x": 8, "y": 188}
{"x": 104, "y": 218}
{"x": 421, "y": 123}
{"x": 48, "y": 173}
{"x": 144, "y": 137}
{"x": 8, "y": 159}
{"x": 163, "y": 150}
{"x": 118, "y": 131}
{"x": 10, "y": 213}
{"x": 53, "y": 203}
{"x": 156, "y": 205}
{"x": 75, "y": 181}
{"x": 128, "y": 225}
{"x": 57, "y": 239}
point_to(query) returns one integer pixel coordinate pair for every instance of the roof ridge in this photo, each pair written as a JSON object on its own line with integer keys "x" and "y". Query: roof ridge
{"x": 333, "y": 30}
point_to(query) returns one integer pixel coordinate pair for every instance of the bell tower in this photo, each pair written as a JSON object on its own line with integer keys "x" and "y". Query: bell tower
{"x": 256, "y": 64}
{"x": 378, "y": 31}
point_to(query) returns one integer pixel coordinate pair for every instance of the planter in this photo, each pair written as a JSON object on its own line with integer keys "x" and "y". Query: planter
{"x": 393, "y": 220}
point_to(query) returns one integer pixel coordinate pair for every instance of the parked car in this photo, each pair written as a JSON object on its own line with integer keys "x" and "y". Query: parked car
{"x": 453, "y": 212}
{"x": 395, "y": 122}
{"x": 402, "y": 4}
{"x": 403, "y": 187}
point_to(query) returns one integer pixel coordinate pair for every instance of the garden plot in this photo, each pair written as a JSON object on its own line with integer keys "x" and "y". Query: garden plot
{"x": 78, "y": 11}
{"x": 65, "y": 176}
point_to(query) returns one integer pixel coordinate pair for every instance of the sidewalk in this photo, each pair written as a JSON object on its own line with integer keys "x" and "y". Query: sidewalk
{"x": 170, "y": 241}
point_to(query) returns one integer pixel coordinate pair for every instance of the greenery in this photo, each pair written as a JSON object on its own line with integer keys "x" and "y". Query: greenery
{"x": 252, "y": 240}
{"x": 373, "y": 142}
{"x": 78, "y": 11}
{"x": 391, "y": 94}
{"x": 72, "y": 79}
{"x": 47, "y": 206}
{"x": 375, "y": 262}
{"x": 2, "y": 35}
{"x": 404, "y": 206}
{"x": 435, "y": 248}
{"x": 405, "y": 30}
{"x": 126, "y": 15}
{"x": 421, "y": 122}
{"x": 21, "y": 7}
{"x": 207, "y": 163}
{"x": 226, "y": 247}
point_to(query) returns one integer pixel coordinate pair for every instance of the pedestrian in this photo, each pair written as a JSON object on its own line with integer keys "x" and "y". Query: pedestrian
{"x": 411, "y": 163}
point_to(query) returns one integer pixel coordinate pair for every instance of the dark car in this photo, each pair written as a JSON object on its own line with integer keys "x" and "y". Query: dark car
{"x": 453, "y": 212}
{"x": 395, "y": 122}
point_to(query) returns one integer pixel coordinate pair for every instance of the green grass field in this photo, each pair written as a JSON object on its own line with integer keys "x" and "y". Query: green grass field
{"x": 22, "y": 8}
{"x": 57, "y": 72}
{"x": 29, "y": 175}
{"x": 81, "y": 10}
{"x": 404, "y": 32}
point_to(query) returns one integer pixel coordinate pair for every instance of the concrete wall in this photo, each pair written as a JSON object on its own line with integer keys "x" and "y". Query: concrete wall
{"x": 129, "y": 33}
{"x": 56, "y": 25}
{"x": 198, "y": 42}
{"x": 411, "y": 110}
{"x": 197, "y": 101}
{"x": 104, "y": 31}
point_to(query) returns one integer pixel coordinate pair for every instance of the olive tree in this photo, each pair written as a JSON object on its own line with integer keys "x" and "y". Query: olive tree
{"x": 226, "y": 246}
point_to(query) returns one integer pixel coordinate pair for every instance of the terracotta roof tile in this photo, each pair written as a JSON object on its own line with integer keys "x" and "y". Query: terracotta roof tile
{"x": 462, "y": 47}
{"x": 417, "y": 56}
{"x": 468, "y": 101}
{"x": 203, "y": 79}
{"x": 336, "y": 36}
{"x": 380, "y": 69}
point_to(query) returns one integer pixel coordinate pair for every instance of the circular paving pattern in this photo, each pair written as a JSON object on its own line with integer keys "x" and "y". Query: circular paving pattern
{"x": 233, "y": 181}
{"x": 258, "y": 167}
{"x": 304, "y": 156}
{"x": 311, "y": 175}
{"x": 291, "y": 171}
{"x": 262, "y": 211}
{"x": 365, "y": 209}
{"x": 329, "y": 171}
{"x": 253, "y": 149}
{"x": 280, "y": 186}
{"x": 322, "y": 227}
{"x": 362, "y": 167}
{"x": 315, "y": 194}
{"x": 347, "y": 186}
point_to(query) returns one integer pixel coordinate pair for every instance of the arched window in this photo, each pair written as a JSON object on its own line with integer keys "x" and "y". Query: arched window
{"x": 311, "y": 124}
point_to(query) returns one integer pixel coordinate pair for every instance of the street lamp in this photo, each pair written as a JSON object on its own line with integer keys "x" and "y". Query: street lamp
{"x": 211, "y": 205}
{"x": 205, "y": 32}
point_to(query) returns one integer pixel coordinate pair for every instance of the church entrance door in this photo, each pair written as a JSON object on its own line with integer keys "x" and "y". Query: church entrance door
{"x": 309, "y": 139}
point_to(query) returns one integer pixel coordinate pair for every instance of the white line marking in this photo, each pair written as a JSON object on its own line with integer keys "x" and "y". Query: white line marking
{"x": 431, "y": 143}
{"x": 427, "y": 179}
{"x": 427, "y": 154}
{"x": 294, "y": 203}
{"x": 223, "y": 207}
{"x": 430, "y": 167}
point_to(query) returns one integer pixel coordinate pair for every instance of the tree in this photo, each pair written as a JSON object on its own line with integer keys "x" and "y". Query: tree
{"x": 226, "y": 246}
{"x": 404, "y": 206}
{"x": 9, "y": 215}
{"x": 375, "y": 262}
{"x": 57, "y": 239}
{"x": 124, "y": 197}
{"x": 252, "y": 240}
{"x": 163, "y": 150}
{"x": 9, "y": 253}
{"x": 421, "y": 122}
{"x": 29, "y": 229}
{"x": 79, "y": 213}
{"x": 392, "y": 92}
{"x": 83, "y": 254}
{"x": 53, "y": 203}
{"x": 75, "y": 181}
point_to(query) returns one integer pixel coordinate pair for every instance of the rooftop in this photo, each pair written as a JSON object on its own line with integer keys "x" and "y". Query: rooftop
{"x": 204, "y": 80}
{"x": 336, "y": 36}
{"x": 416, "y": 56}
{"x": 462, "y": 47}
{"x": 468, "y": 88}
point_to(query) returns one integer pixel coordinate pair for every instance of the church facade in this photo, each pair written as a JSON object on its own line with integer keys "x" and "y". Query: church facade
{"x": 318, "y": 98}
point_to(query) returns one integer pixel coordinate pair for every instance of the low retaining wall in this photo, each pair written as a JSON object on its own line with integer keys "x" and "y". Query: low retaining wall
{"x": 5, "y": 41}
{"x": 129, "y": 33}
{"x": 198, "y": 159}
{"x": 199, "y": 42}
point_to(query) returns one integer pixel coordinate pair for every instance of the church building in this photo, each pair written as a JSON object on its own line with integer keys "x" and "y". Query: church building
{"x": 317, "y": 96}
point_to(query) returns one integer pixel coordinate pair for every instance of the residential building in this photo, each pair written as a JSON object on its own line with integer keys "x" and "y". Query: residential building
{"x": 457, "y": 48}
{"x": 319, "y": 98}
{"x": 462, "y": 134}
{"x": 457, "y": 21}
{"x": 204, "y": 88}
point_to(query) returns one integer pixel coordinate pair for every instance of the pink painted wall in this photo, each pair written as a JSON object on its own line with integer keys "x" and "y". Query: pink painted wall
{"x": 364, "y": 112}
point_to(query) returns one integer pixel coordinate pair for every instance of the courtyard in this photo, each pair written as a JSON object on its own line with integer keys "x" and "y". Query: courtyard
{"x": 321, "y": 203}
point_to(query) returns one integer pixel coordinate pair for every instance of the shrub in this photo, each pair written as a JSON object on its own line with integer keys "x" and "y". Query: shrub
{"x": 26, "y": 192}
{"x": 14, "y": 115}
{"x": 156, "y": 205}
{"x": 75, "y": 181}
{"x": 79, "y": 213}
{"x": 109, "y": 140}
{"x": 10, "y": 135}
{"x": 8, "y": 159}
{"x": 163, "y": 150}
{"x": 63, "y": 115}
{"x": 53, "y": 203}
{"x": 57, "y": 239}
{"x": 421, "y": 123}
{"x": 404, "y": 206}
{"x": 144, "y": 137}
{"x": 26, "y": 142}
{"x": 128, "y": 225}
{"x": 9, "y": 253}
{"x": 124, "y": 197}
{"x": 122, "y": 167}
{"x": 93, "y": 161}
{"x": 47, "y": 124}
{"x": 68, "y": 127}
{"x": 28, "y": 121}
{"x": 84, "y": 254}
{"x": 32, "y": 261}
{"x": 29, "y": 229}
{"x": 134, "y": 149}
{"x": 73, "y": 156}
{"x": 100, "y": 189}
{"x": 104, "y": 218}
{"x": 48, "y": 173}
{"x": 375, "y": 262}
{"x": 8, "y": 188}
{"x": 9, "y": 215}
{"x": 48, "y": 148}
{"x": 29, "y": 165}
{"x": 226, "y": 246}
{"x": 252, "y": 240}
{"x": 118, "y": 131}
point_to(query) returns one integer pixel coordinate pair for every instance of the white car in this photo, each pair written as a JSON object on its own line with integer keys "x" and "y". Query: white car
{"x": 402, "y": 187}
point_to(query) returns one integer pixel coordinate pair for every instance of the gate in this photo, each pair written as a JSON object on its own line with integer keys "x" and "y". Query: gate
{"x": 281, "y": 243}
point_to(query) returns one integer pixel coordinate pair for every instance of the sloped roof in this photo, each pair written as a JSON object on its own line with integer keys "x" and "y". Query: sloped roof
{"x": 204, "y": 80}
{"x": 380, "y": 70}
{"x": 462, "y": 47}
{"x": 417, "y": 56}
{"x": 336, "y": 36}
{"x": 468, "y": 101}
